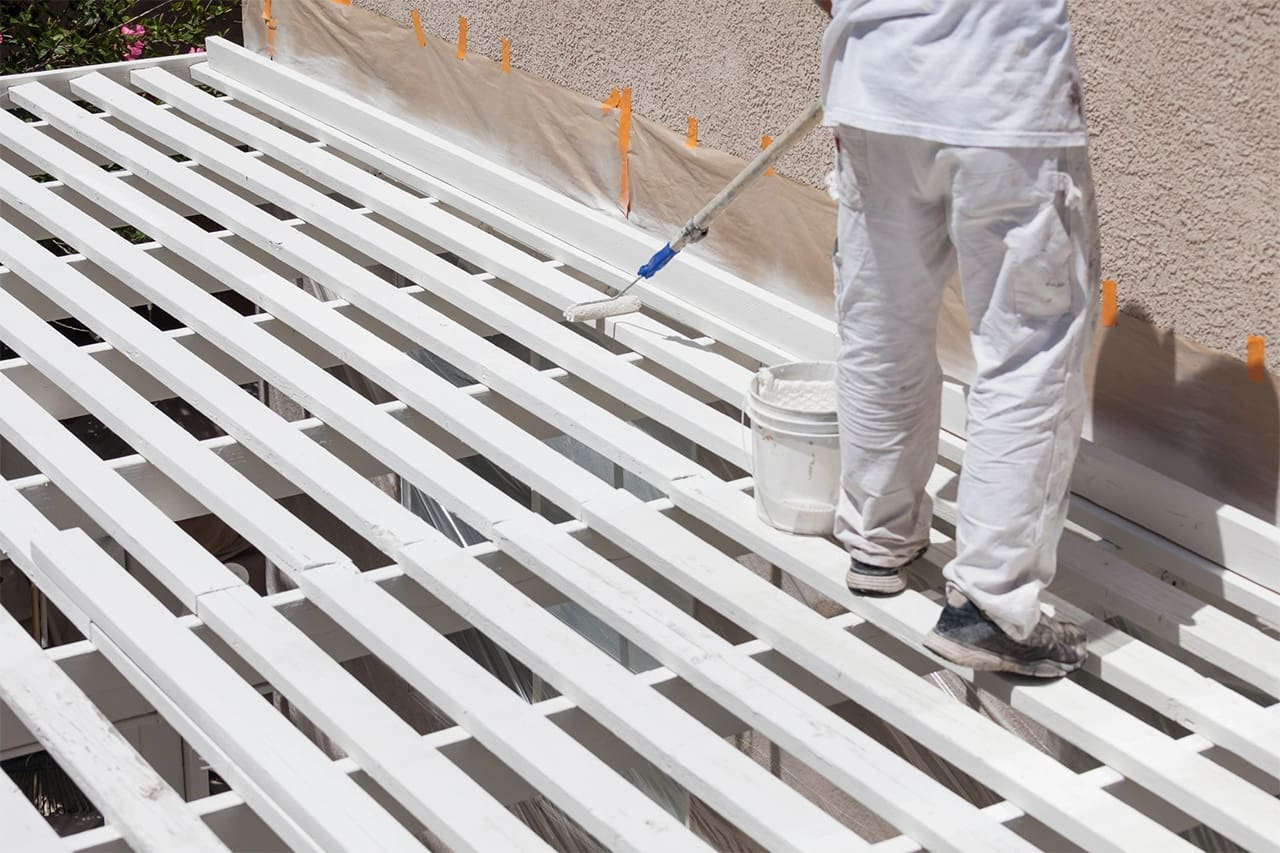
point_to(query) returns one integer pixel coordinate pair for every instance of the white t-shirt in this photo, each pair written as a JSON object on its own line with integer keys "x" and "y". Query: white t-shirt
{"x": 993, "y": 73}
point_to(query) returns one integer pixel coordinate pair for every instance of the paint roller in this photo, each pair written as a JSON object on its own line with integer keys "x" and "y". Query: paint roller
{"x": 625, "y": 303}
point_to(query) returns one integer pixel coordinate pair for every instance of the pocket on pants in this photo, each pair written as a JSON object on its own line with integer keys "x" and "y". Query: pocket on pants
{"x": 851, "y": 172}
{"x": 1038, "y": 263}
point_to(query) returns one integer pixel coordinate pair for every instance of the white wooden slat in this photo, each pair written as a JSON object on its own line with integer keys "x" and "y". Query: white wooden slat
{"x": 13, "y": 283}
{"x": 106, "y": 768}
{"x": 119, "y": 108}
{"x": 1250, "y": 549}
{"x": 879, "y": 779}
{"x": 25, "y": 828}
{"x": 267, "y": 520}
{"x": 1230, "y": 805}
{"x": 121, "y": 323}
{"x": 507, "y": 375}
{"x": 641, "y": 390}
{"x": 1141, "y": 545}
{"x": 1106, "y": 579}
{"x": 1179, "y": 692}
{"x": 218, "y": 322}
{"x": 545, "y": 756}
{"x": 58, "y": 79}
{"x": 984, "y": 750}
{"x": 615, "y": 241}
{"x": 501, "y": 222}
{"x": 20, "y": 527}
{"x": 516, "y": 743}
{"x": 118, "y": 701}
{"x": 379, "y": 376}
{"x": 116, "y": 105}
{"x": 525, "y": 447}
{"x": 179, "y": 505}
{"x": 43, "y": 126}
{"x": 1171, "y": 688}
{"x": 37, "y": 232}
{"x": 59, "y": 358}
{"x": 22, "y": 422}
{"x": 433, "y": 789}
{"x": 642, "y": 333}
{"x": 336, "y": 812}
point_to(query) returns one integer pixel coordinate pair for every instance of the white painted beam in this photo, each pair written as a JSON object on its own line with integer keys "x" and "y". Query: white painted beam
{"x": 1229, "y": 804}
{"x": 381, "y": 370}
{"x": 126, "y": 622}
{"x": 115, "y": 778}
{"x": 623, "y": 245}
{"x": 559, "y": 764}
{"x": 371, "y": 242}
{"x": 58, "y": 79}
{"x": 1220, "y": 533}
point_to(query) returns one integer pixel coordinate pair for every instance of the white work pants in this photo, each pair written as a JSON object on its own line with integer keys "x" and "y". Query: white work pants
{"x": 1020, "y": 226}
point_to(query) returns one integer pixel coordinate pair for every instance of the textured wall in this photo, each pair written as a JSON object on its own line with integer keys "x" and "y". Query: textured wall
{"x": 1183, "y": 100}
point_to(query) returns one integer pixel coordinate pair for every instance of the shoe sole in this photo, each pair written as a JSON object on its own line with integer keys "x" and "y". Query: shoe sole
{"x": 988, "y": 661}
{"x": 875, "y": 584}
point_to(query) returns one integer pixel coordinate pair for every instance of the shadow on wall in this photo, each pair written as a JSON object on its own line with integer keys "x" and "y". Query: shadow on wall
{"x": 1192, "y": 416}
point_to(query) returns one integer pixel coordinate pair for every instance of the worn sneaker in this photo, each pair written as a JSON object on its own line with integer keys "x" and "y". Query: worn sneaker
{"x": 867, "y": 579}
{"x": 965, "y": 636}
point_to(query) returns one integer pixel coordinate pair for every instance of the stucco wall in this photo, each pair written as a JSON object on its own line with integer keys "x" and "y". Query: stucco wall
{"x": 1183, "y": 99}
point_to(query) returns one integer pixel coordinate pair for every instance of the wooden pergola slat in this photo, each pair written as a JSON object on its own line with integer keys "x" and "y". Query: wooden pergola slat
{"x": 373, "y": 198}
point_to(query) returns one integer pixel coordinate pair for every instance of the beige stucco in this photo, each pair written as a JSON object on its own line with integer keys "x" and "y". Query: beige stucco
{"x": 1183, "y": 99}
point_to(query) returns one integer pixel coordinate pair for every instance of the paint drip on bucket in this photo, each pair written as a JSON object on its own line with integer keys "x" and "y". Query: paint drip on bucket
{"x": 796, "y": 446}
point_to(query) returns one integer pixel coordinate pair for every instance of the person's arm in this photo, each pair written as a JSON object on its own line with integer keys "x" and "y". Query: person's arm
{"x": 824, "y": 5}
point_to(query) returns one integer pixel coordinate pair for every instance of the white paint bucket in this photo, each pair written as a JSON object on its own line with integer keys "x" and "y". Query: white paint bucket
{"x": 796, "y": 443}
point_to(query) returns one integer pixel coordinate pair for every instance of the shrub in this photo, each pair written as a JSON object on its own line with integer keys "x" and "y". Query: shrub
{"x": 43, "y": 34}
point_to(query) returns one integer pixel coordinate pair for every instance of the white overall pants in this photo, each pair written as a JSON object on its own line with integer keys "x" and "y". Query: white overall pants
{"x": 1020, "y": 226}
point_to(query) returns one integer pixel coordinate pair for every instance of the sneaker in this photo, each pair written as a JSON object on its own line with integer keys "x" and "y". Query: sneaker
{"x": 867, "y": 579}
{"x": 965, "y": 636}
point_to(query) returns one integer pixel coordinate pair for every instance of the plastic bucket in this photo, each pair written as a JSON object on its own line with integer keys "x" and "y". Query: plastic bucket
{"x": 796, "y": 445}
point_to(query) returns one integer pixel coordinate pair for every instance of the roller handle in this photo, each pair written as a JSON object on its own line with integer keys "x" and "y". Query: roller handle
{"x": 700, "y": 224}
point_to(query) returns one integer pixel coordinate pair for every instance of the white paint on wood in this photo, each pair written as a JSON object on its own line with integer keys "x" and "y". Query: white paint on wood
{"x": 331, "y": 808}
{"x": 1232, "y": 806}
{"x": 110, "y": 772}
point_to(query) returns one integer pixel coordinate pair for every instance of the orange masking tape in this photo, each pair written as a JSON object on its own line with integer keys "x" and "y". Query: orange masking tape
{"x": 1110, "y": 308}
{"x": 266, "y": 10}
{"x": 417, "y": 28}
{"x": 624, "y": 147}
{"x": 342, "y": 2}
{"x": 506, "y": 56}
{"x": 1257, "y": 358}
{"x": 612, "y": 102}
{"x": 765, "y": 142}
{"x": 691, "y": 135}
{"x": 462, "y": 37}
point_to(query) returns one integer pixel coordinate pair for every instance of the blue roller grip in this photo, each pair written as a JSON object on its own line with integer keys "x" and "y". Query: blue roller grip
{"x": 657, "y": 262}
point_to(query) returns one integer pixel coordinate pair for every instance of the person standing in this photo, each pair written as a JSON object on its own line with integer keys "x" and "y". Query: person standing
{"x": 962, "y": 148}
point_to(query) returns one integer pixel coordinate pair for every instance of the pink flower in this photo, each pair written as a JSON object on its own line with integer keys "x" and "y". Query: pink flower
{"x": 133, "y": 40}
{"x": 196, "y": 50}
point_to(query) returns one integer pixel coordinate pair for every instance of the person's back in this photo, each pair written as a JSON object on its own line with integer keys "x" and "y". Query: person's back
{"x": 961, "y": 147}
{"x": 964, "y": 72}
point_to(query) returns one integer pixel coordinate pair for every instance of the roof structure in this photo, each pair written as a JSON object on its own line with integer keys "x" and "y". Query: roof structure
{"x": 246, "y": 176}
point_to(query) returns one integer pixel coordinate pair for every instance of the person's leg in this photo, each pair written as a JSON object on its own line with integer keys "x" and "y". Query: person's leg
{"x": 892, "y": 261}
{"x": 1025, "y": 230}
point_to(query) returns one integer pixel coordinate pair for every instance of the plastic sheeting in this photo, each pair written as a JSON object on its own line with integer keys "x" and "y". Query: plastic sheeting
{"x": 1163, "y": 401}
